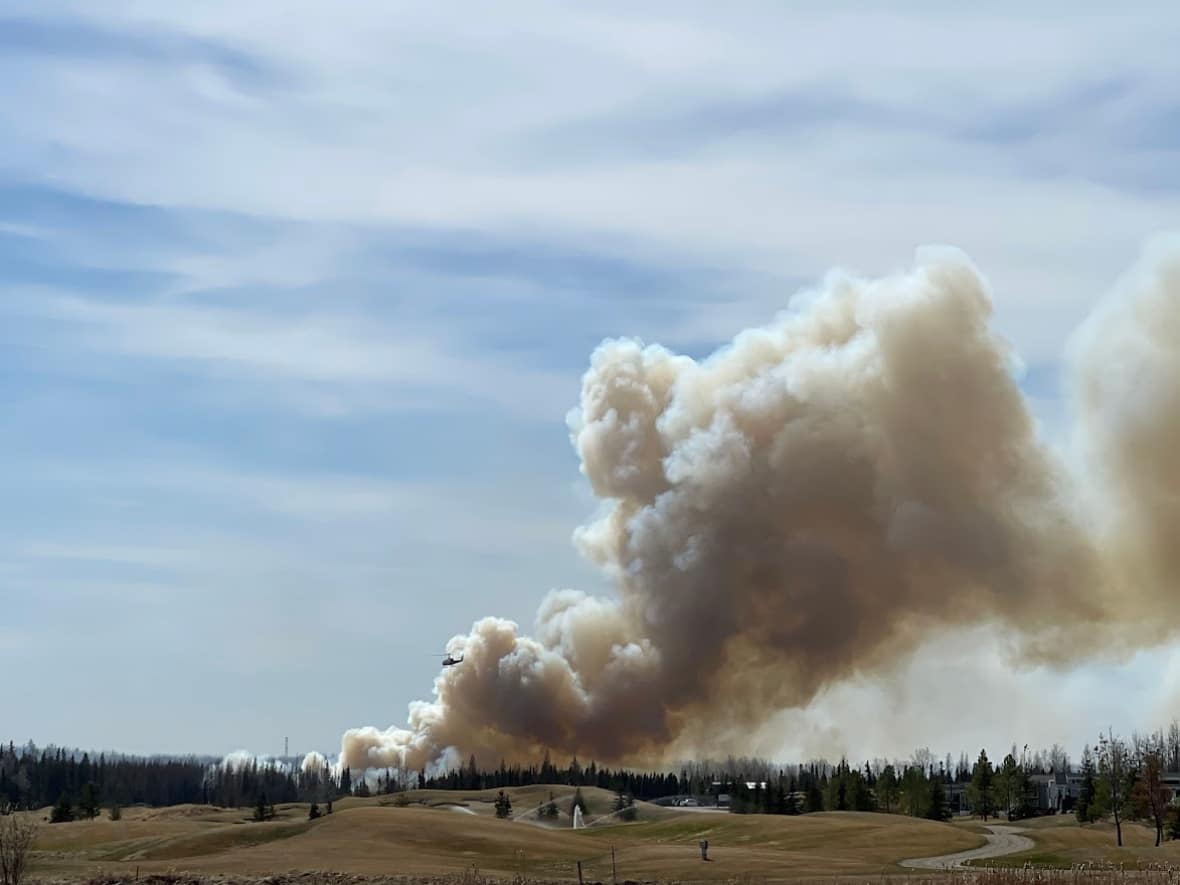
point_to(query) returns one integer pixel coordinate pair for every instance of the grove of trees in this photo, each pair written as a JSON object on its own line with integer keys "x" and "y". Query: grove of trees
{"x": 1117, "y": 779}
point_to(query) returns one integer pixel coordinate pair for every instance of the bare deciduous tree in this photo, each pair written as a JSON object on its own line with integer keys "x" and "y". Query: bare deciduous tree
{"x": 1114, "y": 773}
{"x": 1150, "y": 795}
{"x": 1058, "y": 759}
{"x": 17, "y": 833}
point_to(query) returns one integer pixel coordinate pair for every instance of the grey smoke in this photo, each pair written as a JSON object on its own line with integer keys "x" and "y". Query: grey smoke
{"x": 815, "y": 500}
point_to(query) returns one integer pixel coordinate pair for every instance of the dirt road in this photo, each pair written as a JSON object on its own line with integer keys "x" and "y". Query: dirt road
{"x": 1001, "y": 841}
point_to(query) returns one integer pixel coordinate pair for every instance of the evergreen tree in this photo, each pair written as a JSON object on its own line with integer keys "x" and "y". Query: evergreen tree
{"x": 887, "y": 788}
{"x": 116, "y": 812}
{"x": 982, "y": 790}
{"x": 860, "y": 797}
{"x": 261, "y": 810}
{"x": 90, "y": 804}
{"x": 815, "y": 798}
{"x": 62, "y": 812}
{"x": 1086, "y": 809}
{"x": 503, "y": 805}
{"x": 939, "y": 808}
{"x": 1009, "y": 783}
{"x": 550, "y": 810}
{"x": 314, "y": 812}
{"x": 915, "y": 791}
{"x": 577, "y": 802}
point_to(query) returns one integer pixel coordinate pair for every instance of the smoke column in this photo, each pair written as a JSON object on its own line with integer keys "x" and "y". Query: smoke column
{"x": 814, "y": 501}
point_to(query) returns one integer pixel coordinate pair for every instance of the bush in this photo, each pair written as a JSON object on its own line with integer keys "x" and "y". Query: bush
{"x": 62, "y": 812}
{"x": 116, "y": 812}
{"x": 16, "y": 841}
{"x": 314, "y": 812}
{"x": 503, "y": 805}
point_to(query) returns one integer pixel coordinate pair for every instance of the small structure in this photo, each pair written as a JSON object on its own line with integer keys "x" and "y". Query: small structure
{"x": 578, "y": 824}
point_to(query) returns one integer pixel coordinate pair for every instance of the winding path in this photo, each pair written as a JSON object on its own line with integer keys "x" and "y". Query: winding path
{"x": 1001, "y": 841}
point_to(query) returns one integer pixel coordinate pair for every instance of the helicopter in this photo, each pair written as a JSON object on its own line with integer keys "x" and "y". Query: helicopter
{"x": 450, "y": 661}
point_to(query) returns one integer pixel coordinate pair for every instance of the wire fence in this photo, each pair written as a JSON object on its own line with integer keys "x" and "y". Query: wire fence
{"x": 595, "y": 869}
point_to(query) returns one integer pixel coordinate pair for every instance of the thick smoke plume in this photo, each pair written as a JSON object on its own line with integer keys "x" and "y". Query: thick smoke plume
{"x": 814, "y": 501}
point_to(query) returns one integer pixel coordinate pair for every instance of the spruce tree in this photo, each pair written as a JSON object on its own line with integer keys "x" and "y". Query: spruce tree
{"x": 815, "y": 798}
{"x": 91, "y": 802}
{"x": 1086, "y": 808}
{"x": 939, "y": 807}
{"x": 577, "y": 801}
{"x": 550, "y": 810}
{"x": 887, "y": 788}
{"x": 62, "y": 812}
{"x": 503, "y": 805}
{"x": 982, "y": 789}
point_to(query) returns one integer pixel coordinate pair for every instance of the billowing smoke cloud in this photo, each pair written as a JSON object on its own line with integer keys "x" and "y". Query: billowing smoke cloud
{"x": 814, "y": 501}
{"x": 313, "y": 762}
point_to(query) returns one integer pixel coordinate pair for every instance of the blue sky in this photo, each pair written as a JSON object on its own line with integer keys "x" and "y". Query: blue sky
{"x": 296, "y": 296}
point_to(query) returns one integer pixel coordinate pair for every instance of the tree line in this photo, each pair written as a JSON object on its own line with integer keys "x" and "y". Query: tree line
{"x": 78, "y": 786}
{"x": 1120, "y": 779}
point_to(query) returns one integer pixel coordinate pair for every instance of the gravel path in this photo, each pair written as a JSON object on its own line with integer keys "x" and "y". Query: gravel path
{"x": 1001, "y": 841}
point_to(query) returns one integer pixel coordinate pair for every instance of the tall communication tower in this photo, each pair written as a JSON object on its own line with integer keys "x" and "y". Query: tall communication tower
{"x": 286, "y": 747}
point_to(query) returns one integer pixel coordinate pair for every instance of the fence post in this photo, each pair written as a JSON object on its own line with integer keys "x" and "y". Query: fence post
{"x": 614, "y": 872}
{"x": 580, "y": 882}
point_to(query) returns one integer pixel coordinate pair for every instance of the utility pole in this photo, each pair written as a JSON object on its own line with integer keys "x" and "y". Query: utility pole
{"x": 286, "y": 747}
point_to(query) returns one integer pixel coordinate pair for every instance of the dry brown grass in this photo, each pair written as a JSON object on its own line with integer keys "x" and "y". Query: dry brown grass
{"x": 431, "y": 841}
{"x": 366, "y": 837}
{"x": 1061, "y": 842}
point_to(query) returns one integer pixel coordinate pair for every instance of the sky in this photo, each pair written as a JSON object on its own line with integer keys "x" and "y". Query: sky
{"x": 296, "y": 297}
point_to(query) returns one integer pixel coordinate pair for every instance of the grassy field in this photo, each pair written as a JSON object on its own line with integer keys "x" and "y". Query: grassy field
{"x": 1061, "y": 842}
{"x": 447, "y": 833}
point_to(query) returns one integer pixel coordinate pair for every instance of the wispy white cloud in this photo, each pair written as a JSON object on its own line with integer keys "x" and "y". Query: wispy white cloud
{"x": 469, "y": 517}
{"x": 321, "y": 349}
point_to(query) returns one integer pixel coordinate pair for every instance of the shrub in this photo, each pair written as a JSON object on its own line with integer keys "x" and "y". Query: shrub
{"x": 16, "y": 841}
